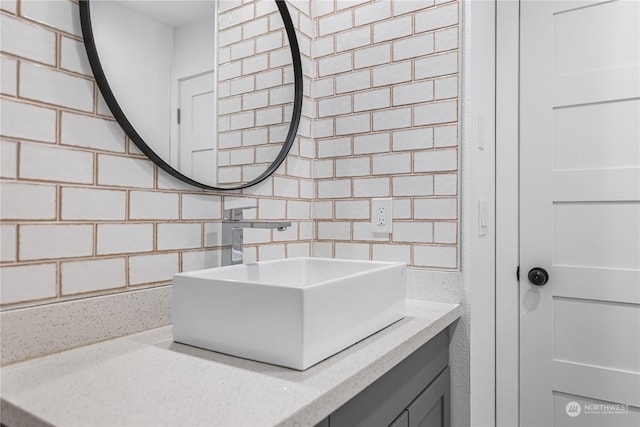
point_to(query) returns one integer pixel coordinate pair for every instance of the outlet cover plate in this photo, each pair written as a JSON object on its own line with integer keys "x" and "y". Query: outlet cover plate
{"x": 382, "y": 215}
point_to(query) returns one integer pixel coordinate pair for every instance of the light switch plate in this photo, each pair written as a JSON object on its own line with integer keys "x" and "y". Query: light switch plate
{"x": 382, "y": 215}
{"x": 483, "y": 220}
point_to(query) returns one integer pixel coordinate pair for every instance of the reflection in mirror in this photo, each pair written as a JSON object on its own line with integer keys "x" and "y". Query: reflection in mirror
{"x": 207, "y": 85}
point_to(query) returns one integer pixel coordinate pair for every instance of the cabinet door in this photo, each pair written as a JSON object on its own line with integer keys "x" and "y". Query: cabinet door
{"x": 402, "y": 420}
{"x": 431, "y": 407}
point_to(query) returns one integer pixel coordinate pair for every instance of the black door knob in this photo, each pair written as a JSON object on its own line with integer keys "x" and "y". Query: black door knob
{"x": 538, "y": 276}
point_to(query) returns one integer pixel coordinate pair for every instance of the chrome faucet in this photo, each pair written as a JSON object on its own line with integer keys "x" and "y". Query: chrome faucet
{"x": 233, "y": 224}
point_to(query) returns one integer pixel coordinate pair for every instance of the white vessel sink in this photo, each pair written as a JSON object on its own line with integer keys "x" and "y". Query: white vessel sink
{"x": 291, "y": 312}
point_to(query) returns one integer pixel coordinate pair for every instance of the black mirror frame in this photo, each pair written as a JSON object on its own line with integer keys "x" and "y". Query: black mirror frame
{"x": 110, "y": 99}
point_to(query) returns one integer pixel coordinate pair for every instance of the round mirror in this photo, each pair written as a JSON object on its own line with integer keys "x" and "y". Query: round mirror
{"x": 210, "y": 90}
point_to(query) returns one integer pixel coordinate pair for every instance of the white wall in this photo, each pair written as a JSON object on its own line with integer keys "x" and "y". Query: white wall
{"x": 479, "y": 184}
{"x": 194, "y": 47}
{"x": 136, "y": 56}
{"x": 472, "y": 344}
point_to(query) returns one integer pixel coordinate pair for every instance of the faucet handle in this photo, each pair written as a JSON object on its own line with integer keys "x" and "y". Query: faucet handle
{"x": 235, "y": 214}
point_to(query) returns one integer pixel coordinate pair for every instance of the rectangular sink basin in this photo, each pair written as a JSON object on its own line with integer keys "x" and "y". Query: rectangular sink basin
{"x": 292, "y": 312}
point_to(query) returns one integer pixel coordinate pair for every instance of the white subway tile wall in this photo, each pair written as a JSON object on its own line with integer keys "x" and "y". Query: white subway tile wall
{"x": 9, "y": 77}
{"x": 8, "y": 159}
{"x": 8, "y": 243}
{"x": 92, "y": 204}
{"x": 84, "y": 212}
{"x": 91, "y": 132}
{"x": 124, "y": 238}
{"x": 27, "y": 121}
{"x": 93, "y": 275}
{"x": 29, "y": 283}
{"x": 387, "y": 102}
{"x": 153, "y": 268}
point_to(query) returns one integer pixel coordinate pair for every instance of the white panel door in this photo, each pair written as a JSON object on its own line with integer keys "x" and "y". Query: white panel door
{"x": 580, "y": 213}
{"x": 198, "y": 136}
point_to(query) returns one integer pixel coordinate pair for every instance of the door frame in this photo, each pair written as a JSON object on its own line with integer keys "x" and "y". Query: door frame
{"x": 507, "y": 213}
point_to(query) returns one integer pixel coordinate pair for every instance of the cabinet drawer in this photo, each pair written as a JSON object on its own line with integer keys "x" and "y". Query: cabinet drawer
{"x": 384, "y": 400}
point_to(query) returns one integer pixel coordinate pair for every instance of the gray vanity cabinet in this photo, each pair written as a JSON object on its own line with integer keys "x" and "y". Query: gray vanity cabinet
{"x": 413, "y": 393}
{"x": 402, "y": 420}
{"x": 431, "y": 407}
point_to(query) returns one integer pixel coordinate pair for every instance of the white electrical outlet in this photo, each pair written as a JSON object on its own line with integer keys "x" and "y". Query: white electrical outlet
{"x": 382, "y": 215}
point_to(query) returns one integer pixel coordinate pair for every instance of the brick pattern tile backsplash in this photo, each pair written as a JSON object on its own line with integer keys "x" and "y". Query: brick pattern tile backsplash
{"x": 84, "y": 212}
{"x": 387, "y": 119}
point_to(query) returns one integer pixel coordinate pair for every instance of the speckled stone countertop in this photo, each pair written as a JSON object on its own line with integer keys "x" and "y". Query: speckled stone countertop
{"x": 148, "y": 380}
